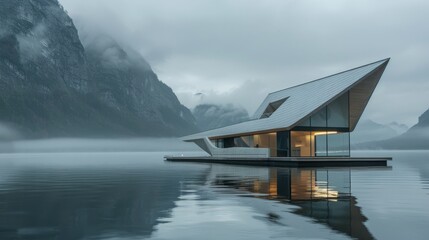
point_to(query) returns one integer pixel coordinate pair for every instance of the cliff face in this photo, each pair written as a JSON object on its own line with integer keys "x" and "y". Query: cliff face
{"x": 50, "y": 85}
{"x": 125, "y": 82}
{"x": 41, "y": 47}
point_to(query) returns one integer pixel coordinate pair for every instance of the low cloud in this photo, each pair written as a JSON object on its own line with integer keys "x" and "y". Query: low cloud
{"x": 8, "y": 133}
{"x": 239, "y": 51}
{"x": 33, "y": 44}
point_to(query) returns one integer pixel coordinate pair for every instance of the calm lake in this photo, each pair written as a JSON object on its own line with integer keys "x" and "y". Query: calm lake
{"x": 136, "y": 195}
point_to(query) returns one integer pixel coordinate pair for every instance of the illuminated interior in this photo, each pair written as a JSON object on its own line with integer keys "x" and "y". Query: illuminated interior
{"x": 268, "y": 140}
{"x": 324, "y": 133}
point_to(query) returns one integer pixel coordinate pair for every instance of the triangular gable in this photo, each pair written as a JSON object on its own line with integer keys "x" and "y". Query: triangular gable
{"x": 306, "y": 99}
{"x": 360, "y": 93}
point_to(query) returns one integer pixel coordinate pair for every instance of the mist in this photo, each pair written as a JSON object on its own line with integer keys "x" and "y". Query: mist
{"x": 33, "y": 45}
{"x": 96, "y": 145}
{"x": 8, "y": 133}
{"x": 237, "y": 52}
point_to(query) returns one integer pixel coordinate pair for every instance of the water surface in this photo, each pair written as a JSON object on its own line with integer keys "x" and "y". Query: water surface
{"x": 137, "y": 195}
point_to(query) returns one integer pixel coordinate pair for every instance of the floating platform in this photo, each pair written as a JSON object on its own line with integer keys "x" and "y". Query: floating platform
{"x": 288, "y": 161}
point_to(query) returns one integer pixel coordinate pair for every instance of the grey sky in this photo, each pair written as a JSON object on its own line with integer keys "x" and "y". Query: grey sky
{"x": 238, "y": 51}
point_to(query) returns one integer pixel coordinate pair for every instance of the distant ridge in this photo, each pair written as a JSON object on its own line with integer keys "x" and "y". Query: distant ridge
{"x": 368, "y": 131}
{"x": 417, "y": 137}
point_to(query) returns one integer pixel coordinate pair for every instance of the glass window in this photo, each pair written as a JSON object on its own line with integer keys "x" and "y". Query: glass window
{"x": 238, "y": 142}
{"x": 304, "y": 123}
{"x": 261, "y": 140}
{"x": 248, "y": 140}
{"x": 273, "y": 144}
{"x": 319, "y": 119}
{"x": 301, "y": 144}
{"x": 339, "y": 144}
{"x": 245, "y": 141}
{"x": 228, "y": 142}
{"x": 219, "y": 143}
{"x": 268, "y": 140}
{"x": 283, "y": 144}
{"x": 338, "y": 112}
{"x": 320, "y": 142}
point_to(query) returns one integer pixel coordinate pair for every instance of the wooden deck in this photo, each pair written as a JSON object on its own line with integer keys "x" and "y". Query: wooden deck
{"x": 288, "y": 161}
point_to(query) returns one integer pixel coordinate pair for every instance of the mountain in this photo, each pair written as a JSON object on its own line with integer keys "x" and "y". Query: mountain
{"x": 125, "y": 82}
{"x": 368, "y": 130}
{"x": 423, "y": 121}
{"x": 52, "y": 85}
{"x": 210, "y": 116}
{"x": 400, "y": 128}
{"x": 417, "y": 137}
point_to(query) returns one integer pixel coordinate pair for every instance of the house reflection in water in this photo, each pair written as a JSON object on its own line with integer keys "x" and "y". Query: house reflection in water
{"x": 322, "y": 194}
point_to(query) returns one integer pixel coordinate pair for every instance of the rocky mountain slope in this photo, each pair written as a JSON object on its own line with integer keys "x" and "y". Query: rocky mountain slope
{"x": 210, "y": 116}
{"x": 417, "y": 137}
{"x": 51, "y": 85}
{"x": 125, "y": 82}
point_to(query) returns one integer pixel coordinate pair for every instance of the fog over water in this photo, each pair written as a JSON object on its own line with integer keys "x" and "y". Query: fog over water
{"x": 7, "y": 133}
{"x": 97, "y": 145}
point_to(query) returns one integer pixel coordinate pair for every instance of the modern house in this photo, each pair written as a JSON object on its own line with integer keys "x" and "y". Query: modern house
{"x": 313, "y": 119}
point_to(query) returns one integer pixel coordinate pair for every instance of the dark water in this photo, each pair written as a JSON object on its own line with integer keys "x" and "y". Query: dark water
{"x": 139, "y": 196}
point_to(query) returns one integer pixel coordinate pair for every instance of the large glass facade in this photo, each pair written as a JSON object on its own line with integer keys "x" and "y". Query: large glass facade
{"x": 268, "y": 140}
{"x": 294, "y": 143}
{"x": 334, "y": 115}
{"x": 325, "y": 133}
{"x": 319, "y": 144}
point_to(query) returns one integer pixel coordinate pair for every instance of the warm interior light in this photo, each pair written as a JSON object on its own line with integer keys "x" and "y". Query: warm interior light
{"x": 324, "y": 193}
{"x": 325, "y": 133}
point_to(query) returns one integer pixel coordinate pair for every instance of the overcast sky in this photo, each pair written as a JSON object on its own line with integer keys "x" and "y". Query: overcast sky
{"x": 237, "y": 51}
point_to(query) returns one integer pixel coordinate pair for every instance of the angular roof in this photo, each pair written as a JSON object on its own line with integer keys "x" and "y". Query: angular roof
{"x": 301, "y": 101}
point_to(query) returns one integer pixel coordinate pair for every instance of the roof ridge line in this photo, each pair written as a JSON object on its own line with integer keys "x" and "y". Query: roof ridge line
{"x": 383, "y": 60}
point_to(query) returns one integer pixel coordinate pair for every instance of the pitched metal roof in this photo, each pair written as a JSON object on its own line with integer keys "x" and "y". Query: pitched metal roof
{"x": 302, "y": 101}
